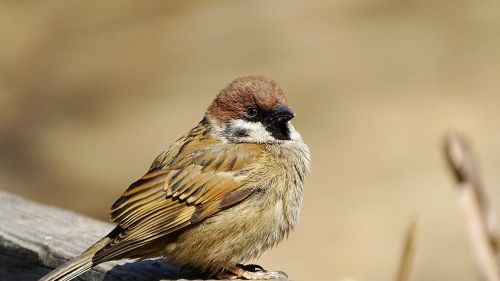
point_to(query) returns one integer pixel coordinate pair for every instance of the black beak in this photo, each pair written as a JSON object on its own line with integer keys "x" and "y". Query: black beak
{"x": 281, "y": 115}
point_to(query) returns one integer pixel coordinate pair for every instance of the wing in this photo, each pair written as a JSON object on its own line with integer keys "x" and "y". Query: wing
{"x": 193, "y": 180}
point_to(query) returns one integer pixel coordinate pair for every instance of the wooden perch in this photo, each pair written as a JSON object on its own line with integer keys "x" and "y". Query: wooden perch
{"x": 480, "y": 220}
{"x": 35, "y": 238}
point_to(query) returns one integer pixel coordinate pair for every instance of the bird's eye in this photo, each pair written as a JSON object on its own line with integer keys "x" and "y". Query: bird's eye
{"x": 252, "y": 112}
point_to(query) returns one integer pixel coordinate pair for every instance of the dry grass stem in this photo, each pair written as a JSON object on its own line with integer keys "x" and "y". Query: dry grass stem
{"x": 408, "y": 253}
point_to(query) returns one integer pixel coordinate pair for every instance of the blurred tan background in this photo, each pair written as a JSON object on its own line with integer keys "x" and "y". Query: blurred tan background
{"x": 91, "y": 92}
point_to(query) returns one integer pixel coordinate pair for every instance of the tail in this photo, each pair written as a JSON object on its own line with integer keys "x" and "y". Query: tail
{"x": 78, "y": 265}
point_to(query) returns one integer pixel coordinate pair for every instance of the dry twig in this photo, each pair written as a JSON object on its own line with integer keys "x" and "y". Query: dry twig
{"x": 480, "y": 220}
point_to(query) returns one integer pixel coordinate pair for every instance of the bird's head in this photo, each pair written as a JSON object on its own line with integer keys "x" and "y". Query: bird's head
{"x": 252, "y": 109}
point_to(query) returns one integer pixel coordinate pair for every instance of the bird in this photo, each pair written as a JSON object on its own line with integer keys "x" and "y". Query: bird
{"x": 226, "y": 191}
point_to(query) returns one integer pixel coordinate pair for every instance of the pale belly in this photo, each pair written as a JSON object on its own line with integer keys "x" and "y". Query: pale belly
{"x": 233, "y": 236}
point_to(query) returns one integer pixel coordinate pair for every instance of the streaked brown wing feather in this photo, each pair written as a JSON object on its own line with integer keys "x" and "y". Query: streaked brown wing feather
{"x": 200, "y": 178}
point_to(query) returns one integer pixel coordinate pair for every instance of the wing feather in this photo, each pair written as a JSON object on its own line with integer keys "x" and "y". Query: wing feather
{"x": 197, "y": 177}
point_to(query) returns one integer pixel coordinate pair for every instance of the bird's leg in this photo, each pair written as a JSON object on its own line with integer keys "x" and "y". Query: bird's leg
{"x": 249, "y": 272}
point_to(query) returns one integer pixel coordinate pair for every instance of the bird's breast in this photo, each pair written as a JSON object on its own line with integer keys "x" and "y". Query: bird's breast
{"x": 284, "y": 179}
{"x": 245, "y": 230}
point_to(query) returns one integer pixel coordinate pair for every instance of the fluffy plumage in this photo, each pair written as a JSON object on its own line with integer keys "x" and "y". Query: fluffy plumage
{"x": 220, "y": 195}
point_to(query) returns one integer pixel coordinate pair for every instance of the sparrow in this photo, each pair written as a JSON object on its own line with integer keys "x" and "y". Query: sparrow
{"x": 222, "y": 194}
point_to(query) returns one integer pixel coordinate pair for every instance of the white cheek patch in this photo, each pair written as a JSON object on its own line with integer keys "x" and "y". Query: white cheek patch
{"x": 246, "y": 131}
{"x": 294, "y": 135}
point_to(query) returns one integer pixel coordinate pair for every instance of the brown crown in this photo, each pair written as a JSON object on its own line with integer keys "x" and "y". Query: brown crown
{"x": 253, "y": 90}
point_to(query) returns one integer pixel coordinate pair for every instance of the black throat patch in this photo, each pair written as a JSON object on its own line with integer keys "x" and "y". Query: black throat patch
{"x": 279, "y": 131}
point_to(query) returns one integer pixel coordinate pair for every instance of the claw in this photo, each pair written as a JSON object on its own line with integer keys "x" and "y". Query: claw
{"x": 249, "y": 272}
{"x": 251, "y": 267}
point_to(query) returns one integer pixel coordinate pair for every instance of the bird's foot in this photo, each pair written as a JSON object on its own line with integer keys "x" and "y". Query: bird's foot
{"x": 249, "y": 272}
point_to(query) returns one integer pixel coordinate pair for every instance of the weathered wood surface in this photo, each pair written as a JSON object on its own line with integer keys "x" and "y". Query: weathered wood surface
{"x": 36, "y": 238}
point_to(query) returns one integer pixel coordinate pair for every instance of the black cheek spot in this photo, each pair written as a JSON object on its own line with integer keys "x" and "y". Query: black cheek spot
{"x": 240, "y": 133}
